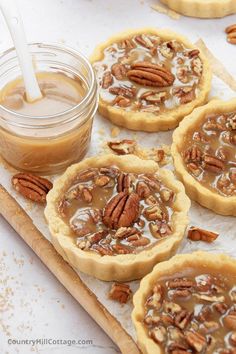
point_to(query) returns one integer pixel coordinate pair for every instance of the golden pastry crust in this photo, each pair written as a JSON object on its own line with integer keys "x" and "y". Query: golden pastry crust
{"x": 196, "y": 191}
{"x": 146, "y": 121}
{"x": 119, "y": 267}
{"x": 202, "y": 8}
{"x": 178, "y": 263}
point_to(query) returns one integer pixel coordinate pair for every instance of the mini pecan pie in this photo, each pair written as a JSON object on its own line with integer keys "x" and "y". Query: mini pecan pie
{"x": 202, "y": 8}
{"x": 204, "y": 151}
{"x": 114, "y": 217}
{"x": 188, "y": 305}
{"x": 150, "y": 79}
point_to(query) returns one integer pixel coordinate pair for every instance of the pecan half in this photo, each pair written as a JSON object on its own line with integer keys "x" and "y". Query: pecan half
{"x": 158, "y": 334}
{"x": 120, "y": 292}
{"x": 193, "y": 53}
{"x": 143, "y": 190}
{"x": 155, "y": 212}
{"x": 122, "y": 147}
{"x": 86, "y": 195}
{"x": 185, "y": 94}
{"x": 213, "y": 164}
{"x": 107, "y": 80}
{"x": 193, "y": 154}
{"x": 86, "y": 175}
{"x": 32, "y": 187}
{"x": 230, "y": 321}
{"x": 103, "y": 250}
{"x": 125, "y": 91}
{"x": 231, "y": 34}
{"x": 121, "y": 249}
{"x": 122, "y": 210}
{"x": 154, "y": 97}
{"x": 121, "y": 101}
{"x": 180, "y": 283}
{"x": 197, "y": 66}
{"x": 102, "y": 181}
{"x": 119, "y": 71}
{"x": 160, "y": 229}
{"x": 123, "y": 182}
{"x": 183, "y": 318}
{"x": 127, "y": 43}
{"x": 149, "y": 74}
{"x": 196, "y": 341}
{"x": 144, "y": 40}
{"x": 232, "y": 339}
{"x": 126, "y": 232}
{"x": 197, "y": 234}
{"x": 152, "y": 320}
{"x": 220, "y": 307}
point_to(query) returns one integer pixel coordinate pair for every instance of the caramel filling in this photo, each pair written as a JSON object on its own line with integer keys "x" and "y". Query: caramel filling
{"x": 112, "y": 212}
{"x": 60, "y": 93}
{"x": 193, "y": 312}
{"x": 210, "y": 154}
{"x": 145, "y": 73}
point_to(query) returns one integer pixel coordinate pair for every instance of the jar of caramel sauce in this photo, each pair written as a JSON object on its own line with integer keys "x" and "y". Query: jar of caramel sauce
{"x": 50, "y": 134}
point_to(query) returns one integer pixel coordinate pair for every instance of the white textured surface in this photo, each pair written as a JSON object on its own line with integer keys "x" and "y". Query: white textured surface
{"x": 38, "y": 306}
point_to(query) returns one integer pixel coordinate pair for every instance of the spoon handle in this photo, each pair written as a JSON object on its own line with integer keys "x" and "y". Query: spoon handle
{"x": 16, "y": 28}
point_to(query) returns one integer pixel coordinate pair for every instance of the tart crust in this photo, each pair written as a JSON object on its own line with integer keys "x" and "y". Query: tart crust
{"x": 216, "y": 262}
{"x": 146, "y": 121}
{"x": 195, "y": 190}
{"x": 119, "y": 267}
{"x": 202, "y": 8}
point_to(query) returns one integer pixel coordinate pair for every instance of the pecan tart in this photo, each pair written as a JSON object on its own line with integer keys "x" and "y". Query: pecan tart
{"x": 188, "y": 305}
{"x": 204, "y": 152}
{"x": 115, "y": 217}
{"x": 150, "y": 79}
{"x": 202, "y": 8}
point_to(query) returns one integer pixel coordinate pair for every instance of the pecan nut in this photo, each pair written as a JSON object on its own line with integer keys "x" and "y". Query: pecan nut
{"x": 193, "y": 154}
{"x": 123, "y": 183}
{"x": 185, "y": 94}
{"x": 213, "y": 164}
{"x": 125, "y": 91}
{"x": 119, "y": 71}
{"x": 149, "y": 74}
{"x": 107, "y": 80}
{"x": 121, "y": 211}
{"x": 183, "y": 318}
{"x": 144, "y": 40}
{"x": 197, "y": 234}
{"x": 32, "y": 187}
{"x": 143, "y": 190}
{"x": 122, "y": 147}
{"x": 158, "y": 334}
{"x": 120, "y": 292}
{"x": 196, "y": 341}
{"x": 230, "y": 321}
{"x": 231, "y": 33}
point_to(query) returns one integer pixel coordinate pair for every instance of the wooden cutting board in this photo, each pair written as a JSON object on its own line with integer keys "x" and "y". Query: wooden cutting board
{"x": 23, "y": 225}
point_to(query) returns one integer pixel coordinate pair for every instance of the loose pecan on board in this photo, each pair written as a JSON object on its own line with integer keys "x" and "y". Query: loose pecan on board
{"x": 31, "y": 186}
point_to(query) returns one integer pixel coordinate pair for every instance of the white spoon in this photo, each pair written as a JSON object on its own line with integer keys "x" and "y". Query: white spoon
{"x": 16, "y": 28}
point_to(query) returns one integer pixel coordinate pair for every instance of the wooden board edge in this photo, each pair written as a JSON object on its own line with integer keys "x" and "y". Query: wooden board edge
{"x": 23, "y": 225}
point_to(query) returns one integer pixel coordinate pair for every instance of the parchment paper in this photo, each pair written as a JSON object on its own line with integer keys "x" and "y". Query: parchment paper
{"x": 200, "y": 216}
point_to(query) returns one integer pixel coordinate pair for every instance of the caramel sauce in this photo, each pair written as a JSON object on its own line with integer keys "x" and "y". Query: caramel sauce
{"x": 60, "y": 93}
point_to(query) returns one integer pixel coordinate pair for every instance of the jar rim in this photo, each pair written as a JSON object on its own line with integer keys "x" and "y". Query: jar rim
{"x": 62, "y": 48}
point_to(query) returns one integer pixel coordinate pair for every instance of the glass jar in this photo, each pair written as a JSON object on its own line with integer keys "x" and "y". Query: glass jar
{"x": 48, "y": 144}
